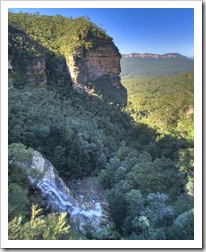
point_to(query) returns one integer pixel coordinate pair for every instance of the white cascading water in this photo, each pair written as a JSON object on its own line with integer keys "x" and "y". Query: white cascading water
{"x": 61, "y": 199}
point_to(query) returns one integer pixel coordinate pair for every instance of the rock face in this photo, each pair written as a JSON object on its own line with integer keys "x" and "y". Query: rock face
{"x": 88, "y": 65}
{"x": 36, "y": 72}
{"x": 60, "y": 198}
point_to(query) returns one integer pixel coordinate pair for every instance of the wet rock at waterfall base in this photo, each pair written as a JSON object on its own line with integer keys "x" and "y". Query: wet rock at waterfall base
{"x": 90, "y": 193}
{"x": 83, "y": 200}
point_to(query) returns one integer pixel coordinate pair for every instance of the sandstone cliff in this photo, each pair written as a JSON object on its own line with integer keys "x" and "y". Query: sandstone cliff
{"x": 90, "y": 67}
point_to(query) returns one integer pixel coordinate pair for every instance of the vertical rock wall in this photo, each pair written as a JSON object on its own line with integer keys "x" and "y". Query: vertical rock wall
{"x": 88, "y": 65}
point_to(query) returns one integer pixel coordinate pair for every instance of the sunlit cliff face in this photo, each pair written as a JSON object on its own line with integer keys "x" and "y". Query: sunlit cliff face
{"x": 89, "y": 64}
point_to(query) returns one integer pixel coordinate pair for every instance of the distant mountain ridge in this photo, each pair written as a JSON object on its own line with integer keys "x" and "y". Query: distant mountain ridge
{"x": 135, "y": 65}
{"x": 153, "y": 56}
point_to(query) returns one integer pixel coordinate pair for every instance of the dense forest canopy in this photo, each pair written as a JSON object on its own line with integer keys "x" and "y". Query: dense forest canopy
{"x": 137, "y": 67}
{"x": 58, "y": 34}
{"x": 164, "y": 103}
{"x": 142, "y": 153}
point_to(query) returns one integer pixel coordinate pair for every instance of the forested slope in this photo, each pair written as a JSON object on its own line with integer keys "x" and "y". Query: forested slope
{"x": 164, "y": 103}
{"x": 147, "y": 172}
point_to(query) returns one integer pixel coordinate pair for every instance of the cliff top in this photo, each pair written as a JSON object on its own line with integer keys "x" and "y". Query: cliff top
{"x": 59, "y": 34}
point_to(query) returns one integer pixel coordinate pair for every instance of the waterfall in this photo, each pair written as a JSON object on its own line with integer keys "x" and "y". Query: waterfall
{"x": 60, "y": 198}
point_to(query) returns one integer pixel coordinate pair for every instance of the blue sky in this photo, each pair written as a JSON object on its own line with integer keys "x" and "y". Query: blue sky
{"x": 139, "y": 30}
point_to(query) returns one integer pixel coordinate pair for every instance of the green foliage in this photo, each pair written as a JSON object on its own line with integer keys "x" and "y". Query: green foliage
{"x": 19, "y": 154}
{"x": 116, "y": 198}
{"x": 157, "y": 234}
{"x": 186, "y": 160}
{"x": 143, "y": 154}
{"x": 134, "y": 181}
{"x": 52, "y": 227}
{"x": 72, "y": 133}
{"x": 183, "y": 204}
{"x": 136, "y": 67}
{"x": 59, "y": 34}
{"x": 107, "y": 233}
{"x": 83, "y": 136}
{"x": 20, "y": 159}
{"x": 163, "y": 103}
{"x": 158, "y": 211}
{"x": 22, "y": 46}
{"x": 183, "y": 227}
{"x": 186, "y": 164}
{"x": 18, "y": 202}
{"x": 135, "y": 201}
{"x": 141, "y": 225}
{"x": 56, "y": 227}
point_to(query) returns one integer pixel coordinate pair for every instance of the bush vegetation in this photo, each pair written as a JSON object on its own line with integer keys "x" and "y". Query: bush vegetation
{"x": 142, "y": 154}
